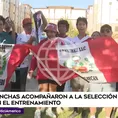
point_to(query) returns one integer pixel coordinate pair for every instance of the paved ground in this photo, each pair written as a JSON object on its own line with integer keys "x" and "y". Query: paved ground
{"x": 32, "y": 85}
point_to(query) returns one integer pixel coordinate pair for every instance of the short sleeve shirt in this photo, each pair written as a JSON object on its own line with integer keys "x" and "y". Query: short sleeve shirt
{"x": 77, "y": 40}
{"x": 22, "y": 39}
{"x": 5, "y": 38}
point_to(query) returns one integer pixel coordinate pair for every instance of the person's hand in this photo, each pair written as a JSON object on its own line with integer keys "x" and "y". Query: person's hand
{"x": 30, "y": 74}
{"x": 39, "y": 12}
{"x": 32, "y": 38}
{"x": 33, "y": 33}
{"x": 12, "y": 25}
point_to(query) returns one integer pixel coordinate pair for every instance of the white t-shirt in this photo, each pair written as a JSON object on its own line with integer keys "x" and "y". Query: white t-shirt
{"x": 66, "y": 40}
{"x": 77, "y": 40}
{"x": 22, "y": 39}
{"x": 74, "y": 40}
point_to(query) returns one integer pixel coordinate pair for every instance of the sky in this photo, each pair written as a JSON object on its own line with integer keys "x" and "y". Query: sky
{"x": 45, "y": 3}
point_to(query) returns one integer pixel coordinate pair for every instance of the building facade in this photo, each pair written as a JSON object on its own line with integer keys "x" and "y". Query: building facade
{"x": 27, "y": 11}
{"x": 104, "y": 12}
{"x": 90, "y": 19}
{"x": 24, "y": 12}
{"x": 4, "y": 7}
{"x": 16, "y": 11}
{"x": 55, "y": 13}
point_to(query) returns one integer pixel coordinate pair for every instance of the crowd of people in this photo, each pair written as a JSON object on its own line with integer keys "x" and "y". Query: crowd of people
{"x": 8, "y": 35}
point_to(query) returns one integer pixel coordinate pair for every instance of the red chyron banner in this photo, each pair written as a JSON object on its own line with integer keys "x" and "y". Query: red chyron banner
{"x": 103, "y": 50}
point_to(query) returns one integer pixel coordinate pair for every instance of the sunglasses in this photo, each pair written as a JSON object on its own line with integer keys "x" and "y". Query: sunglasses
{"x": 105, "y": 30}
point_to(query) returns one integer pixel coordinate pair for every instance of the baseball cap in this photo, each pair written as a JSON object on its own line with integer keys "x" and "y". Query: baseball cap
{"x": 27, "y": 21}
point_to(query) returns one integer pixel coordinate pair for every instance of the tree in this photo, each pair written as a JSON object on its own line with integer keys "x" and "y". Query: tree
{"x": 72, "y": 30}
{"x": 48, "y": 20}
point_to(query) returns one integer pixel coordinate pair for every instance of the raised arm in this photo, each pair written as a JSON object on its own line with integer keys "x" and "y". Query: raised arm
{"x": 13, "y": 34}
{"x": 44, "y": 22}
{"x": 33, "y": 65}
{"x": 31, "y": 40}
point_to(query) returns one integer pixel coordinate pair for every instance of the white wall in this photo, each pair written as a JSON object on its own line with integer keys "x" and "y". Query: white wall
{"x": 109, "y": 12}
{"x": 1, "y": 7}
{"x": 5, "y": 8}
{"x": 56, "y": 13}
{"x": 78, "y": 13}
{"x": 68, "y": 13}
{"x": 59, "y": 13}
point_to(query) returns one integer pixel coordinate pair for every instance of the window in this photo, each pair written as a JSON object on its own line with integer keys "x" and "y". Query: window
{"x": 110, "y": 3}
{"x": 116, "y": 29}
{"x": 60, "y": 13}
{"x": 52, "y": 13}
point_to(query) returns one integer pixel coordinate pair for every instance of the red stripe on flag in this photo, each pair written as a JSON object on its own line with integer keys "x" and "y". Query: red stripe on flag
{"x": 19, "y": 52}
{"x": 105, "y": 53}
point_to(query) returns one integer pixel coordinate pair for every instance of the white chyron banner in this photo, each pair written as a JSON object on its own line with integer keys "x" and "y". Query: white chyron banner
{"x": 57, "y": 99}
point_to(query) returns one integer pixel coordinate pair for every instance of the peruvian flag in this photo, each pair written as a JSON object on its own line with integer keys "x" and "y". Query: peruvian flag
{"x": 98, "y": 63}
{"x": 105, "y": 54}
{"x": 101, "y": 53}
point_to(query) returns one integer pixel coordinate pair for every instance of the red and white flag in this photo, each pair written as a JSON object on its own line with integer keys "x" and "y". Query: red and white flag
{"x": 97, "y": 62}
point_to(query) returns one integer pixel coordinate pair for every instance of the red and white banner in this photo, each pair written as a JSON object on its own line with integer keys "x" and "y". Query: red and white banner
{"x": 10, "y": 58}
{"x": 78, "y": 58}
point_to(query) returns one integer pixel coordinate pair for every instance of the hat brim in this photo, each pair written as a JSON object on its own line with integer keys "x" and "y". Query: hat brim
{"x": 27, "y": 23}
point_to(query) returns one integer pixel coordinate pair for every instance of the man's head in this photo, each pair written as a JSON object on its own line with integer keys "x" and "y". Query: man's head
{"x": 81, "y": 24}
{"x": 27, "y": 25}
{"x": 63, "y": 27}
{"x": 2, "y": 22}
{"x": 106, "y": 30}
